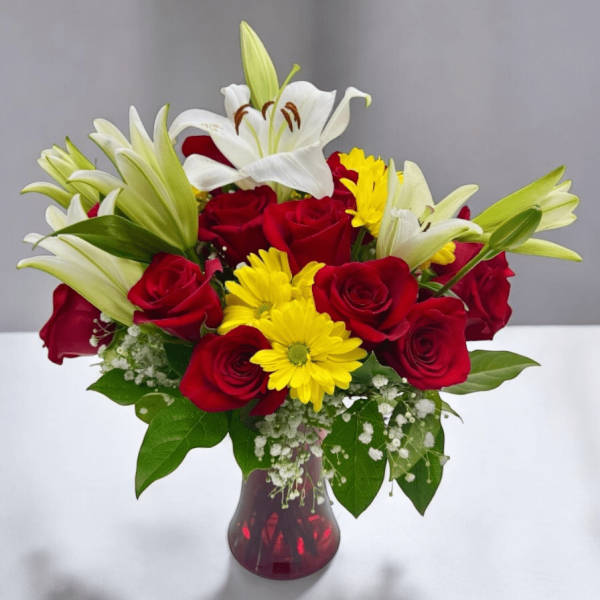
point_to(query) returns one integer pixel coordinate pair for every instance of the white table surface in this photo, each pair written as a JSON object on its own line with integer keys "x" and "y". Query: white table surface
{"x": 517, "y": 515}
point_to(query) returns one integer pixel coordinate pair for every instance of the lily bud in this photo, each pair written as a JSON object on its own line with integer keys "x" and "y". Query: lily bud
{"x": 60, "y": 165}
{"x": 516, "y": 231}
{"x": 259, "y": 70}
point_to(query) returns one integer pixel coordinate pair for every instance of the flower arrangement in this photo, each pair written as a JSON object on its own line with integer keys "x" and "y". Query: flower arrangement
{"x": 301, "y": 305}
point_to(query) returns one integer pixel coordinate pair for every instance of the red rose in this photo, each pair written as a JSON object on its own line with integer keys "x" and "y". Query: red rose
{"x": 175, "y": 295}
{"x": 372, "y": 298}
{"x": 310, "y": 230}
{"x": 221, "y": 377}
{"x": 203, "y": 144}
{"x": 339, "y": 172}
{"x": 73, "y": 322}
{"x": 433, "y": 353}
{"x": 235, "y": 221}
{"x": 484, "y": 289}
{"x": 93, "y": 212}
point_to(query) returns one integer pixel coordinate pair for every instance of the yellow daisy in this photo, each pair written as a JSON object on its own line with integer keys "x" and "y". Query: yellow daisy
{"x": 370, "y": 191}
{"x": 266, "y": 283}
{"x": 309, "y": 353}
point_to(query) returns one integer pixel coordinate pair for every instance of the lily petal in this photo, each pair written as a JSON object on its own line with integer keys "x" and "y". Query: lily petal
{"x": 304, "y": 169}
{"x": 341, "y": 117}
{"x": 207, "y": 174}
{"x": 446, "y": 208}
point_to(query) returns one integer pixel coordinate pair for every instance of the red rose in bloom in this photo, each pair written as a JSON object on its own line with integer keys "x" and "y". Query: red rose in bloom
{"x": 372, "y": 298}
{"x": 203, "y": 144}
{"x": 339, "y": 172}
{"x": 235, "y": 221}
{"x": 221, "y": 377}
{"x": 73, "y": 322}
{"x": 175, "y": 295}
{"x": 433, "y": 353}
{"x": 484, "y": 289}
{"x": 310, "y": 230}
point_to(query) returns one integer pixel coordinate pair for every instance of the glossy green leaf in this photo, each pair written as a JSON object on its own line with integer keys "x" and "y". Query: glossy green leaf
{"x": 179, "y": 356}
{"x": 363, "y": 475}
{"x": 114, "y": 386}
{"x": 427, "y": 473}
{"x": 172, "y": 433}
{"x": 371, "y": 367}
{"x": 148, "y": 406}
{"x": 120, "y": 237}
{"x": 242, "y": 438}
{"x": 489, "y": 369}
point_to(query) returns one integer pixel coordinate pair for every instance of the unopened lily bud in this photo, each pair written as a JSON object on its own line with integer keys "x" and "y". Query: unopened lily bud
{"x": 259, "y": 70}
{"x": 516, "y": 231}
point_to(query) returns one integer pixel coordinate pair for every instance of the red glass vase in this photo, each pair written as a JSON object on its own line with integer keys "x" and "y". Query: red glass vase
{"x": 283, "y": 543}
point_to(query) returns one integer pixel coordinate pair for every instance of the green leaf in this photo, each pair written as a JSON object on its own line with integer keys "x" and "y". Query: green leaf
{"x": 179, "y": 356}
{"x": 148, "y": 406}
{"x": 434, "y": 286}
{"x": 412, "y": 448}
{"x": 242, "y": 438}
{"x": 537, "y": 247}
{"x": 427, "y": 473}
{"x": 363, "y": 475}
{"x": 371, "y": 367}
{"x": 172, "y": 433}
{"x": 259, "y": 70}
{"x": 489, "y": 369}
{"x": 125, "y": 393}
{"x": 447, "y": 408}
{"x": 120, "y": 237}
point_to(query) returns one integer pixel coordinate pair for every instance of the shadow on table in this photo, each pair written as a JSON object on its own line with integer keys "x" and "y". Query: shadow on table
{"x": 49, "y": 584}
{"x": 242, "y": 584}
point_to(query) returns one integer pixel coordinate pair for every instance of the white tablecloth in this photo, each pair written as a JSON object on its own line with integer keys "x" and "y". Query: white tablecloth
{"x": 517, "y": 515}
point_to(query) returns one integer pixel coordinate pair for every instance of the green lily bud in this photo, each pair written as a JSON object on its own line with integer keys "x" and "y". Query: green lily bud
{"x": 60, "y": 165}
{"x": 259, "y": 70}
{"x": 516, "y": 231}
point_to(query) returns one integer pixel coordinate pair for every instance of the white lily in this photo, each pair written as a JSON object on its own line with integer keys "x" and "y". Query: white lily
{"x": 101, "y": 278}
{"x": 280, "y": 142}
{"x": 413, "y": 228}
{"x": 156, "y": 193}
{"x": 60, "y": 165}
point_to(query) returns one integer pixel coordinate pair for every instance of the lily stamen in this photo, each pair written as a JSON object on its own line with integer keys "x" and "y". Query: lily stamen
{"x": 239, "y": 115}
{"x": 265, "y": 107}
{"x": 287, "y": 118}
{"x": 294, "y": 110}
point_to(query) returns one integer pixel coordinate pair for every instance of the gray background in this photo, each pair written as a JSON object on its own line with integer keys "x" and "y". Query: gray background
{"x": 474, "y": 91}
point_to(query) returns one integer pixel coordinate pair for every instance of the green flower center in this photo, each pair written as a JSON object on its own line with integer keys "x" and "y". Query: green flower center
{"x": 262, "y": 309}
{"x": 298, "y": 354}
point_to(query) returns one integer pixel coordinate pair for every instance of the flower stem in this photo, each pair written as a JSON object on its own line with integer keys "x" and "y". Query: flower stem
{"x": 485, "y": 254}
{"x": 190, "y": 254}
{"x": 358, "y": 244}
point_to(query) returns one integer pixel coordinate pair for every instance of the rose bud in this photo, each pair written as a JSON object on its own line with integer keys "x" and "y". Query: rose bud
{"x": 372, "y": 298}
{"x": 310, "y": 230}
{"x": 433, "y": 352}
{"x": 234, "y": 221}
{"x": 221, "y": 377}
{"x": 174, "y": 294}
{"x": 73, "y": 322}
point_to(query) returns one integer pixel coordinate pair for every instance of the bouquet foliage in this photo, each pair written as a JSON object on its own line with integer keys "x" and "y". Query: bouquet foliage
{"x": 300, "y": 305}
